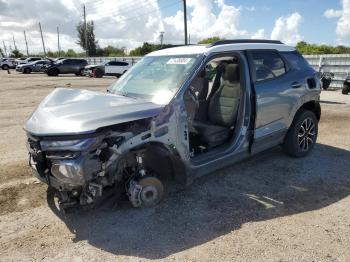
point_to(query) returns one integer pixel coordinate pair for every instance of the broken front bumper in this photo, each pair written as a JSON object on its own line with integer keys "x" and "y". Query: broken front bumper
{"x": 64, "y": 164}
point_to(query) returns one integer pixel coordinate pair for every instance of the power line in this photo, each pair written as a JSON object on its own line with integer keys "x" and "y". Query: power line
{"x": 148, "y": 13}
{"x": 139, "y": 6}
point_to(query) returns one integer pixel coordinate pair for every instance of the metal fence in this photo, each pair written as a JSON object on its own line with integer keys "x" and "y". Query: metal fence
{"x": 339, "y": 65}
{"x": 98, "y": 60}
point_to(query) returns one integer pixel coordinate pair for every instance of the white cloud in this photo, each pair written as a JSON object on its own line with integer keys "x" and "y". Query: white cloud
{"x": 202, "y": 22}
{"x": 127, "y": 23}
{"x": 343, "y": 23}
{"x": 260, "y": 34}
{"x": 287, "y": 29}
{"x": 331, "y": 13}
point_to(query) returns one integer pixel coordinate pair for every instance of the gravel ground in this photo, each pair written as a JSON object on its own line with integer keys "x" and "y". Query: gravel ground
{"x": 267, "y": 208}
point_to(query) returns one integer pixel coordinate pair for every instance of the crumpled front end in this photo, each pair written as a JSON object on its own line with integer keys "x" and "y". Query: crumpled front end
{"x": 68, "y": 164}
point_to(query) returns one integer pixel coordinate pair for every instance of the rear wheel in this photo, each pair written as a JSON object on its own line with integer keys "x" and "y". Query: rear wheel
{"x": 98, "y": 73}
{"x": 27, "y": 71}
{"x": 80, "y": 73}
{"x": 5, "y": 67}
{"x": 345, "y": 90}
{"x": 52, "y": 72}
{"x": 302, "y": 134}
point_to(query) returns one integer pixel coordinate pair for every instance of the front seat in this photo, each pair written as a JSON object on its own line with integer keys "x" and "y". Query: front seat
{"x": 223, "y": 109}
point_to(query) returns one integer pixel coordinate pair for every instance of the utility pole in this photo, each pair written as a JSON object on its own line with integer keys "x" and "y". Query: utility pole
{"x": 58, "y": 42}
{"x": 14, "y": 42}
{"x": 185, "y": 21}
{"x": 25, "y": 39}
{"x": 189, "y": 39}
{"x": 42, "y": 39}
{"x": 85, "y": 33}
{"x": 5, "y": 49}
{"x": 161, "y": 36}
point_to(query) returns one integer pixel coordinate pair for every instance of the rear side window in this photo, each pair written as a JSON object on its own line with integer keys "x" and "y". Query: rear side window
{"x": 122, "y": 64}
{"x": 296, "y": 60}
{"x": 268, "y": 64}
{"x": 112, "y": 63}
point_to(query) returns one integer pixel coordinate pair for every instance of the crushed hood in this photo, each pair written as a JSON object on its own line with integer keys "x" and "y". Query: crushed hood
{"x": 74, "y": 111}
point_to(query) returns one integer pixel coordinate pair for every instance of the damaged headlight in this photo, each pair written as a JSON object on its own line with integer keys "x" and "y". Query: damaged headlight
{"x": 67, "y": 145}
{"x": 67, "y": 172}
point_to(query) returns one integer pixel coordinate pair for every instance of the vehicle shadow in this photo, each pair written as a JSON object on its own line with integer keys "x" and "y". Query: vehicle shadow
{"x": 266, "y": 186}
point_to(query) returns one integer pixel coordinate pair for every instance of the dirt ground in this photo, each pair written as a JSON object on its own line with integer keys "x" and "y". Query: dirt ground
{"x": 267, "y": 208}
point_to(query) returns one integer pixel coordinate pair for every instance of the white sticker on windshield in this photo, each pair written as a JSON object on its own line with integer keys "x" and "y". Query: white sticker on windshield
{"x": 179, "y": 61}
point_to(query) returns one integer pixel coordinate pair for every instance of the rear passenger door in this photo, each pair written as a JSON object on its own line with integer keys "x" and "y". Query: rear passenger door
{"x": 277, "y": 91}
{"x": 111, "y": 68}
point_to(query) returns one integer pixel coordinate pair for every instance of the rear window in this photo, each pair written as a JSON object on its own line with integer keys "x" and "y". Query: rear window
{"x": 296, "y": 60}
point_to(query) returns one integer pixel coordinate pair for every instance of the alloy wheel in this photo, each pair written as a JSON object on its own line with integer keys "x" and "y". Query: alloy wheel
{"x": 306, "y": 134}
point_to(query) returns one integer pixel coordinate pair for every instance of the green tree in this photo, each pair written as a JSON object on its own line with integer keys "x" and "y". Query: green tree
{"x": 16, "y": 54}
{"x": 110, "y": 51}
{"x": 312, "y": 49}
{"x": 2, "y": 52}
{"x": 210, "y": 40}
{"x": 92, "y": 43}
{"x": 148, "y": 48}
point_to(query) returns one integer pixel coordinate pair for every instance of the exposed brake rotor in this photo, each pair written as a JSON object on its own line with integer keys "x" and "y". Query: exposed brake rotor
{"x": 146, "y": 191}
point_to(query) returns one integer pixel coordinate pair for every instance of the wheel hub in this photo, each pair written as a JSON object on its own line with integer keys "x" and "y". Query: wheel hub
{"x": 145, "y": 192}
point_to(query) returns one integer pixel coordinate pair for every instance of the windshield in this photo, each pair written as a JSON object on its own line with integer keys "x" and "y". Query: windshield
{"x": 156, "y": 78}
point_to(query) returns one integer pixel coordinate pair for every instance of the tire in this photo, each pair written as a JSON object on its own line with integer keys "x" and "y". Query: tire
{"x": 80, "y": 72}
{"x": 345, "y": 90}
{"x": 98, "y": 73}
{"x": 5, "y": 67}
{"x": 53, "y": 72}
{"x": 302, "y": 134}
{"x": 27, "y": 71}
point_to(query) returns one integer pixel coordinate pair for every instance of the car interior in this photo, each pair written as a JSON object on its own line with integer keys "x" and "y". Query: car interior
{"x": 212, "y": 104}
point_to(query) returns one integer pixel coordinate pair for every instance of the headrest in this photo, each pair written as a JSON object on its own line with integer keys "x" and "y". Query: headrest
{"x": 273, "y": 64}
{"x": 231, "y": 73}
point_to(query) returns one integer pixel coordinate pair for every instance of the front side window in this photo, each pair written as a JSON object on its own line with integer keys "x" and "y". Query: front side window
{"x": 267, "y": 64}
{"x": 156, "y": 78}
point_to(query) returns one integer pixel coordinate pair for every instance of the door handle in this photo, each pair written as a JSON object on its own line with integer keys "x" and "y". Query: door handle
{"x": 296, "y": 85}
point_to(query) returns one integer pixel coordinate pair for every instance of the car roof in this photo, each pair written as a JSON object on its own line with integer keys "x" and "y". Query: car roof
{"x": 223, "y": 47}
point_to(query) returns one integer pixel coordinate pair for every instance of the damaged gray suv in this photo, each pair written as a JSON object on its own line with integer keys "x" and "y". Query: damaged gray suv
{"x": 178, "y": 114}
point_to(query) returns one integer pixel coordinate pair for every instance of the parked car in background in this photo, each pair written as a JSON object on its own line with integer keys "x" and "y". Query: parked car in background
{"x": 110, "y": 68}
{"x": 36, "y": 66}
{"x": 346, "y": 86}
{"x": 67, "y": 66}
{"x": 7, "y": 63}
{"x": 22, "y": 61}
{"x": 178, "y": 114}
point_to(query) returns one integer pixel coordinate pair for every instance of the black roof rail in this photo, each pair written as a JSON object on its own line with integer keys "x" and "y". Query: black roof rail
{"x": 246, "y": 41}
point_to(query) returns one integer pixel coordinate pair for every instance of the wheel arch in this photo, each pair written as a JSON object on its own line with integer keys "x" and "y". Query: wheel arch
{"x": 164, "y": 159}
{"x": 313, "y": 106}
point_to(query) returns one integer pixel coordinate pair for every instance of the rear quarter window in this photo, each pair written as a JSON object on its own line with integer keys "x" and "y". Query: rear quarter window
{"x": 296, "y": 60}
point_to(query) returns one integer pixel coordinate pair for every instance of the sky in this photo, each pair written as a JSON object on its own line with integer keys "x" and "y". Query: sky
{"x": 129, "y": 23}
